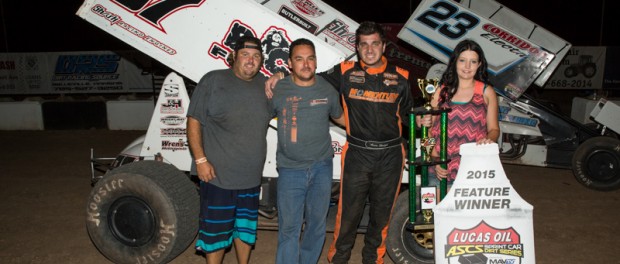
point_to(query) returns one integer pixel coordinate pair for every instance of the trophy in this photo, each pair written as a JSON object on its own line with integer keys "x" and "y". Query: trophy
{"x": 428, "y": 87}
{"x": 427, "y": 145}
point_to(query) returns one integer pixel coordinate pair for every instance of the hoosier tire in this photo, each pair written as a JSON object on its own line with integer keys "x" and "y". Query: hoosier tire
{"x": 596, "y": 163}
{"x": 143, "y": 212}
{"x": 403, "y": 246}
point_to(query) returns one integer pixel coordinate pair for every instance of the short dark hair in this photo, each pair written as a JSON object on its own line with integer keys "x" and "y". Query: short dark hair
{"x": 369, "y": 28}
{"x": 297, "y": 42}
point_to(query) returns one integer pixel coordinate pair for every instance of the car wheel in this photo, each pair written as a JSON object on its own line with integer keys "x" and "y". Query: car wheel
{"x": 403, "y": 245}
{"x": 596, "y": 163}
{"x": 143, "y": 212}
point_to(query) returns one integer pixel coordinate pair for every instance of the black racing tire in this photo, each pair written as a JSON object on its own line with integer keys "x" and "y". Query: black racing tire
{"x": 143, "y": 212}
{"x": 402, "y": 245}
{"x": 596, "y": 163}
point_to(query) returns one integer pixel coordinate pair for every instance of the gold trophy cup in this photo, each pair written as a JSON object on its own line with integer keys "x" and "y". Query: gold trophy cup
{"x": 428, "y": 87}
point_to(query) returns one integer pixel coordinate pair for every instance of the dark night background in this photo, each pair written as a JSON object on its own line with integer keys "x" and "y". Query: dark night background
{"x": 44, "y": 26}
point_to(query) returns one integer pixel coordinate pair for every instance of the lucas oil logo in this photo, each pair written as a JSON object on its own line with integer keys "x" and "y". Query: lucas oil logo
{"x": 274, "y": 41}
{"x": 484, "y": 242}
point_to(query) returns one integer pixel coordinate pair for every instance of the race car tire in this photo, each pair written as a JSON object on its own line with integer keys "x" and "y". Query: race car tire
{"x": 596, "y": 163}
{"x": 143, "y": 212}
{"x": 402, "y": 245}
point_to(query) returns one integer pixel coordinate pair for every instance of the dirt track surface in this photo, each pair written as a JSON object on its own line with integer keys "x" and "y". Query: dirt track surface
{"x": 45, "y": 182}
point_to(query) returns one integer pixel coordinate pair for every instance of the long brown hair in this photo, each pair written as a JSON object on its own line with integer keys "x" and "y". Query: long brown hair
{"x": 450, "y": 79}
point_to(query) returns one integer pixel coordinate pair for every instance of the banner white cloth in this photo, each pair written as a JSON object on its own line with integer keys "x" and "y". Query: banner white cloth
{"x": 482, "y": 219}
{"x": 70, "y": 72}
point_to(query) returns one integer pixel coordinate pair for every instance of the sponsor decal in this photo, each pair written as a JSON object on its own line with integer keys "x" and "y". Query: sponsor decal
{"x": 275, "y": 44}
{"x": 172, "y": 106}
{"x": 173, "y": 120}
{"x": 357, "y": 79}
{"x": 168, "y": 132}
{"x": 290, "y": 15}
{"x": 339, "y": 31}
{"x": 390, "y": 76}
{"x": 484, "y": 242}
{"x": 180, "y": 144}
{"x": 274, "y": 40}
{"x": 428, "y": 198}
{"x": 510, "y": 38}
{"x": 383, "y": 97}
{"x": 171, "y": 89}
{"x": 358, "y": 73}
{"x": 116, "y": 20}
{"x": 318, "y": 102}
{"x": 390, "y": 79}
{"x": 389, "y": 82}
{"x": 308, "y": 8}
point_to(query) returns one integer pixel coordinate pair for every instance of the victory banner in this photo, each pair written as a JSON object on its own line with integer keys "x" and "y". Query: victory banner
{"x": 514, "y": 61}
{"x": 483, "y": 219}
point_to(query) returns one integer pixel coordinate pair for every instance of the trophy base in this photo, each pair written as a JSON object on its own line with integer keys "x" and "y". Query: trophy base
{"x": 419, "y": 226}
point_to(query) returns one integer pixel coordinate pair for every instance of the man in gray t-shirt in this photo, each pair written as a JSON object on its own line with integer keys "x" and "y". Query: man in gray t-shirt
{"x": 227, "y": 124}
{"x": 234, "y": 117}
{"x": 304, "y": 104}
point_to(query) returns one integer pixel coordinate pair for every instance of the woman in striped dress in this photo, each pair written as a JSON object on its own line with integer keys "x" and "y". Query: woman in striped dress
{"x": 474, "y": 116}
